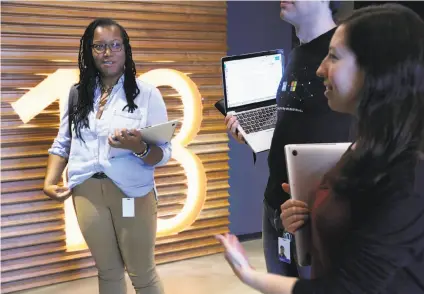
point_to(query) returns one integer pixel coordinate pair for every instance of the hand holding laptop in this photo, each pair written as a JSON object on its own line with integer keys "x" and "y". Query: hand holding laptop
{"x": 232, "y": 124}
{"x": 250, "y": 81}
{"x": 307, "y": 164}
{"x": 294, "y": 213}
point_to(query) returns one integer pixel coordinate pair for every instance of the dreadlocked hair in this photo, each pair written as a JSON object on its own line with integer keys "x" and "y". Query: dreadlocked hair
{"x": 89, "y": 74}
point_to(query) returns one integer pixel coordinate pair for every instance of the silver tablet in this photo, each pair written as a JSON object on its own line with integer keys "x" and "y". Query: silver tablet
{"x": 159, "y": 134}
{"x": 306, "y": 166}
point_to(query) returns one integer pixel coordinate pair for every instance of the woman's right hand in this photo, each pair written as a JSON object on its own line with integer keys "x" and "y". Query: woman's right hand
{"x": 56, "y": 192}
{"x": 294, "y": 213}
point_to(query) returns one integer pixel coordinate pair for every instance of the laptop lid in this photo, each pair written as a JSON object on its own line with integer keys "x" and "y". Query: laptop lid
{"x": 251, "y": 80}
{"x": 306, "y": 166}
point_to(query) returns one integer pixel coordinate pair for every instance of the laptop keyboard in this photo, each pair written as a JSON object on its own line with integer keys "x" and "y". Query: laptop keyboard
{"x": 259, "y": 119}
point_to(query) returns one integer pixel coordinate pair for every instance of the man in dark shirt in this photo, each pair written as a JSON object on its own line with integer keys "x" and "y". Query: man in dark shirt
{"x": 303, "y": 116}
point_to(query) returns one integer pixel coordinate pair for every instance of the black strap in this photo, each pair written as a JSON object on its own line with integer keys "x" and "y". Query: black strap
{"x": 72, "y": 102}
{"x": 254, "y": 155}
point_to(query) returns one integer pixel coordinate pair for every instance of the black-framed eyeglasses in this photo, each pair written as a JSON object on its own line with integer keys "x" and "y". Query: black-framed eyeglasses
{"x": 101, "y": 48}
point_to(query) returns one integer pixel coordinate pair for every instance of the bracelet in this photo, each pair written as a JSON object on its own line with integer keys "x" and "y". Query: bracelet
{"x": 144, "y": 153}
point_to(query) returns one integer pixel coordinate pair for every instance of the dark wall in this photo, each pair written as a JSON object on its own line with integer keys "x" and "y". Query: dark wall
{"x": 252, "y": 26}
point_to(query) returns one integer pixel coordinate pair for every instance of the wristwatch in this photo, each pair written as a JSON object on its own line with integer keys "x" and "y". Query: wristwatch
{"x": 145, "y": 152}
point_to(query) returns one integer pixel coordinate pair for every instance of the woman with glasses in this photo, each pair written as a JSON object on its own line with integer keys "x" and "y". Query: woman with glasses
{"x": 110, "y": 167}
{"x": 367, "y": 223}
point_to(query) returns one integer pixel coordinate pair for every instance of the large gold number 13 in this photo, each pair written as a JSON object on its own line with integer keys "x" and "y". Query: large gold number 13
{"x": 57, "y": 85}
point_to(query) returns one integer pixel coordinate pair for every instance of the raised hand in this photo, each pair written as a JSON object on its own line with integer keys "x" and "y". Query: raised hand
{"x": 235, "y": 255}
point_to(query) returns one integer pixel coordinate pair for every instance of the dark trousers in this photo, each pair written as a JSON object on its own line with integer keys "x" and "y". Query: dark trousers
{"x": 272, "y": 229}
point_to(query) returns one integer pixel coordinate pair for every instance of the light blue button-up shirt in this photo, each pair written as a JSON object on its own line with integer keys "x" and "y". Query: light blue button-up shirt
{"x": 134, "y": 177}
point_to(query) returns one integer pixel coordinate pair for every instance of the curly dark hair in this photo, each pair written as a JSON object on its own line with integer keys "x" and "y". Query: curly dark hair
{"x": 388, "y": 42}
{"x": 89, "y": 74}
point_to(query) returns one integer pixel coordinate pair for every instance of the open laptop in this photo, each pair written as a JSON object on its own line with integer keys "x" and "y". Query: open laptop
{"x": 306, "y": 166}
{"x": 250, "y": 86}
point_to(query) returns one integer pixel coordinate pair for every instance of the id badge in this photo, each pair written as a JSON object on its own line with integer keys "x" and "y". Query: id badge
{"x": 128, "y": 207}
{"x": 284, "y": 249}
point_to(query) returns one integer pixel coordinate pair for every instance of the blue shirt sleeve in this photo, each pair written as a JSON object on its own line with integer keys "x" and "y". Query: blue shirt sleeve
{"x": 62, "y": 143}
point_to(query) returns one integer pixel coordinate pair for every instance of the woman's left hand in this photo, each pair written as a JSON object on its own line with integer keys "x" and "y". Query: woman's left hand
{"x": 127, "y": 139}
{"x": 235, "y": 256}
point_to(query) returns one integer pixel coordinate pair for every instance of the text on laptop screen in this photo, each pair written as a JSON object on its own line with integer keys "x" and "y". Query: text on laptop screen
{"x": 253, "y": 79}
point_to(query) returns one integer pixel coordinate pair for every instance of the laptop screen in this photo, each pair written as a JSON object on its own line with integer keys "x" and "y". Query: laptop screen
{"x": 252, "y": 79}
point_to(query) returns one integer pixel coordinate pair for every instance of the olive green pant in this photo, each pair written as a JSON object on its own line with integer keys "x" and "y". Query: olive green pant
{"x": 118, "y": 242}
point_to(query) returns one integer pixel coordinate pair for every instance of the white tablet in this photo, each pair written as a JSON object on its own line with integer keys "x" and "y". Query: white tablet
{"x": 306, "y": 166}
{"x": 160, "y": 133}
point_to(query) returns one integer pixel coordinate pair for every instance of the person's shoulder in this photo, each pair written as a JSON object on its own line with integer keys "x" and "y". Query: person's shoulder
{"x": 322, "y": 40}
{"x": 75, "y": 87}
{"x": 145, "y": 85}
{"x": 145, "y": 88}
{"x": 73, "y": 93}
{"x": 326, "y": 37}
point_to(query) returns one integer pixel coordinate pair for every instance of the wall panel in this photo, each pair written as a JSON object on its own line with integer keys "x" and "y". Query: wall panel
{"x": 39, "y": 37}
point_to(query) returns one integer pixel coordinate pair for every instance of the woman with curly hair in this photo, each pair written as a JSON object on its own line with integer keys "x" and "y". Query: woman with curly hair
{"x": 110, "y": 167}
